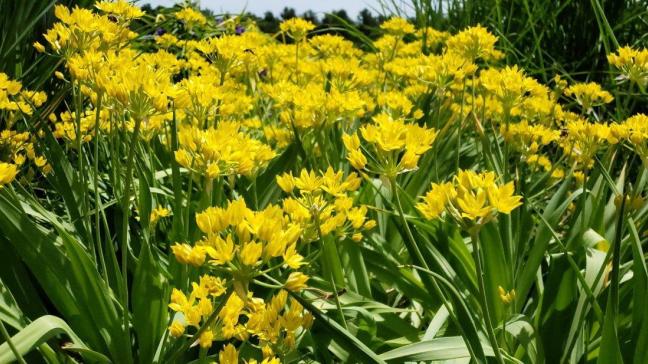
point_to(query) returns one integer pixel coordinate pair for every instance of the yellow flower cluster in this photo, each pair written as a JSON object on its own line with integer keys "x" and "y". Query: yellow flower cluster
{"x": 243, "y": 240}
{"x": 15, "y": 146}
{"x": 391, "y": 146}
{"x": 14, "y": 98}
{"x": 471, "y": 199}
{"x": 474, "y": 43}
{"x": 632, "y": 64}
{"x": 221, "y": 151}
{"x": 529, "y": 141}
{"x": 636, "y": 132}
{"x": 190, "y": 17}
{"x": 589, "y": 95}
{"x": 297, "y": 28}
{"x": 241, "y": 245}
{"x": 321, "y": 204}
{"x": 510, "y": 93}
{"x": 121, "y": 10}
{"x": 81, "y": 30}
{"x": 66, "y": 126}
{"x": 584, "y": 139}
{"x": 275, "y": 324}
{"x": 397, "y": 26}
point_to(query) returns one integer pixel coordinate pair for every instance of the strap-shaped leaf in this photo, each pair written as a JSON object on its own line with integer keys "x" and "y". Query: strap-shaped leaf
{"x": 42, "y": 330}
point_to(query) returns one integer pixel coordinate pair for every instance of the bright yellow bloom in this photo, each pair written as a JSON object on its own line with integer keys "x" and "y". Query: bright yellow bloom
{"x": 123, "y": 10}
{"x": 39, "y": 47}
{"x": 308, "y": 182}
{"x": 158, "y": 213}
{"x": 8, "y": 173}
{"x": 471, "y": 199}
{"x": 220, "y": 250}
{"x": 250, "y": 253}
{"x": 191, "y": 17}
{"x": 503, "y": 198}
{"x": 394, "y": 145}
{"x": 397, "y": 26}
{"x": 589, "y": 95}
{"x": 474, "y": 43}
{"x": 296, "y": 281}
{"x": 506, "y": 297}
{"x": 286, "y": 182}
{"x": 176, "y": 329}
{"x": 297, "y": 28}
{"x": 632, "y": 63}
{"x": 228, "y": 355}
{"x": 206, "y": 338}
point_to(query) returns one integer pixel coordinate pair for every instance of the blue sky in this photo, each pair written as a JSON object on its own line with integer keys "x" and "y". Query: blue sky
{"x": 259, "y": 7}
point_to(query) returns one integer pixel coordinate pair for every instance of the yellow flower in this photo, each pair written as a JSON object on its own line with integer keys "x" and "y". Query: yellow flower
{"x": 308, "y": 182}
{"x": 397, "y": 26}
{"x": 473, "y": 206}
{"x": 286, "y": 182}
{"x": 589, "y": 94}
{"x": 471, "y": 199}
{"x": 474, "y": 43}
{"x": 206, "y": 338}
{"x": 250, "y": 253}
{"x": 191, "y": 17}
{"x": 39, "y": 47}
{"x": 297, "y": 28}
{"x": 228, "y": 355}
{"x": 351, "y": 141}
{"x": 186, "y": 254}
{"x": 291, "y": 258}
{"x": 632, "y": 63}
{"x": 434, "y": 202}
{"x": 502, "y": 198}
{"x": 121, "y": 9}
{"x": 296, "y": 281}
{"x": 394, "y": 145}
{"x": 357, "y": 159}
{"x": 157, "y": 213}
{"x": 211, "y": 220}
{"x": 176, "y": 329}
{"x": 220, "y": 250}
{"x": 506, "y": 297}
{"x": 8, "y": 173}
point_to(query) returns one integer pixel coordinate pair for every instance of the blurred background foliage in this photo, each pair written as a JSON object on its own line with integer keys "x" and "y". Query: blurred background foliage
{"x": 545, "y": 37}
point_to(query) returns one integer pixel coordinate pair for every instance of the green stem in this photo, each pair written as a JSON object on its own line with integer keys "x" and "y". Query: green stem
{"x": 124, "y": 227}
{"x": 187, "y": 221}
{"x": 331, "y": 266}
{"x": 78, "y": 104}
{"x": 474, "y": 235}
{"x": 177, "y": 181}
{"x": 418, "y": 259}
{"x": 98, "y": 205}
{"x": 9, "y": 342}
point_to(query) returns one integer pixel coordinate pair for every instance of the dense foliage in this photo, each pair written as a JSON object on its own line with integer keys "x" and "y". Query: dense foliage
{"x": 184, "y": 188}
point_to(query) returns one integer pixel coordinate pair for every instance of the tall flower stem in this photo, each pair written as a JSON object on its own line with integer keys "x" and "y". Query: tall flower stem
{"x": 125, "y": 216}
{"x": 98, "y": 207}
{"x": 419, "y": 260}
{"x": 12, "y": 346}
{"x": 477, "y": 256}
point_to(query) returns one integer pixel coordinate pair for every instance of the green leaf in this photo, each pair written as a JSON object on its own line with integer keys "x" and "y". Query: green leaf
{"x": 149, "y": 300}
{"x": 445, "y": 348}
{"x": 42, "y": 330}
{"x": 341, "y": 336}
